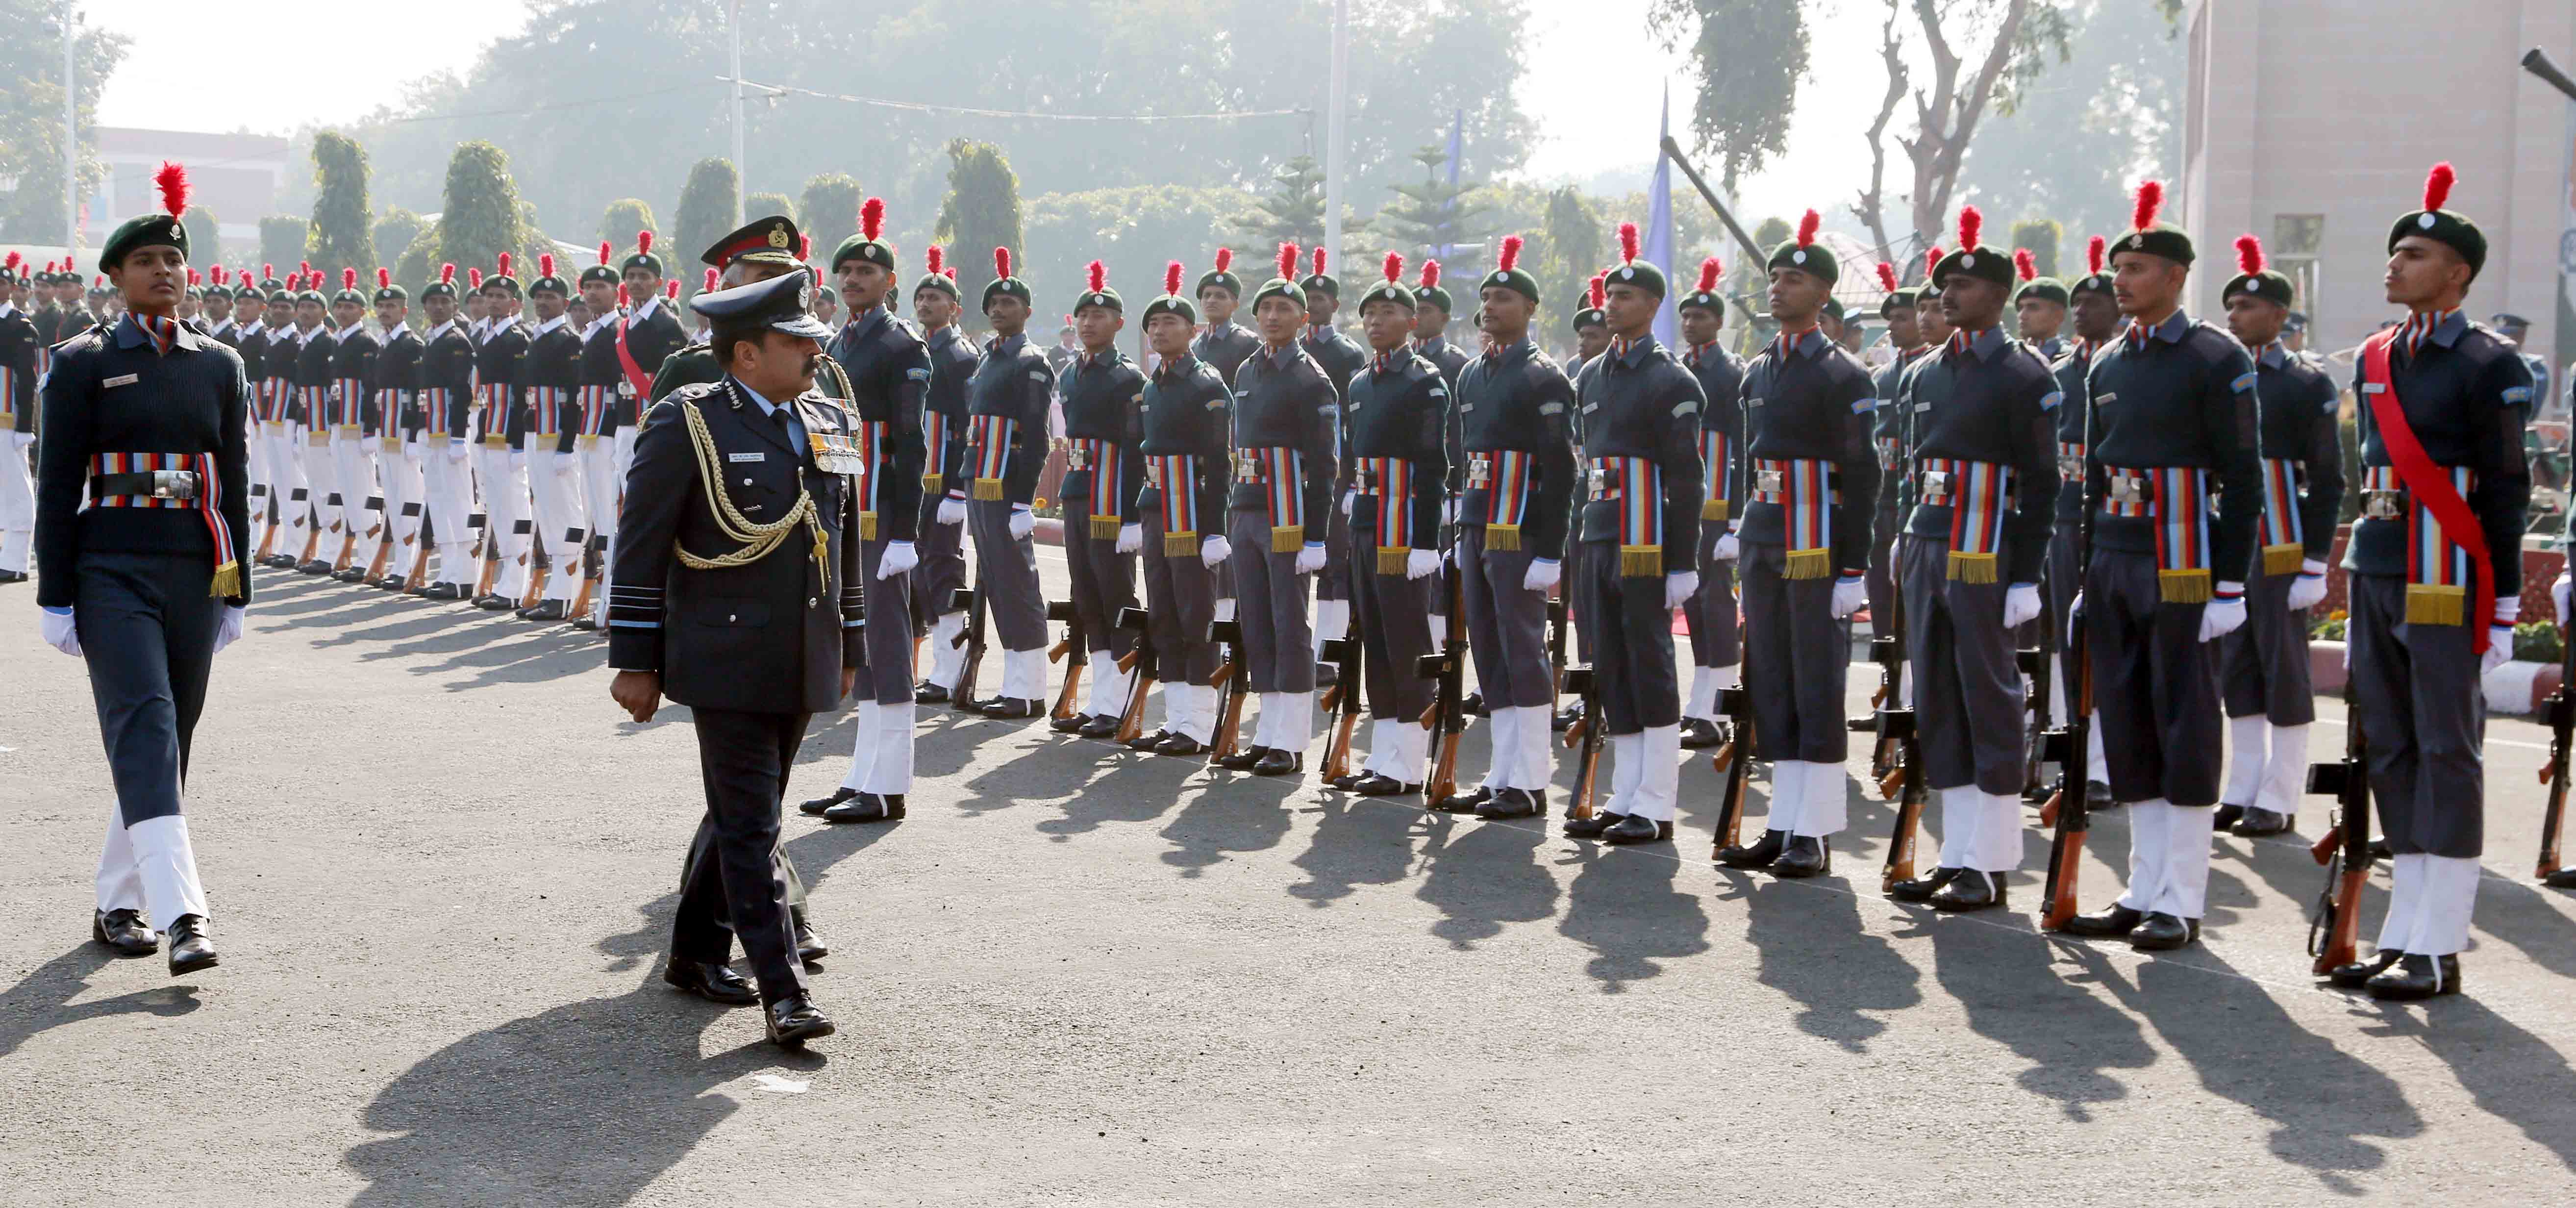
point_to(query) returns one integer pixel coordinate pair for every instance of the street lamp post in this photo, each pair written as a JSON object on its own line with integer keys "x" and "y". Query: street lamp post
{"x": 738, "y": 165}
{"x": 71, "y": 135}
{"x": 1341, "y": 69}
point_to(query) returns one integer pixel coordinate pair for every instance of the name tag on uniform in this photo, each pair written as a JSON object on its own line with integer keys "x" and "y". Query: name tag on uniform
{"x": 122, "y": 379}
{"x": 1754, "y": 401}
{"x": 746, "y": 457}
{"x": 1037, "y": 375}
{"x": 2105, "y": 399}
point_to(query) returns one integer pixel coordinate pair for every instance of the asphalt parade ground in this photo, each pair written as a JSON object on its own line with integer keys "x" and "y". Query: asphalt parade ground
{"x": 442, "y": 866}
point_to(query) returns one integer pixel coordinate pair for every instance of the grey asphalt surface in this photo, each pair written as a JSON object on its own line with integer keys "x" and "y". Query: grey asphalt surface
{"x": 442, "y": 865}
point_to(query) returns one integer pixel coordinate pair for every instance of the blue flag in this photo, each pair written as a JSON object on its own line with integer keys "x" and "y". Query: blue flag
{"x": 1658, "y": 237}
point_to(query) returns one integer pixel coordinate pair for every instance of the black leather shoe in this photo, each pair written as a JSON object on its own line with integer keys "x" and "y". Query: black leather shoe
{"x": 712, "y": 982}
{"x": 868, "y": 807}
{"x": 442, "y": 591}
{"x": 1148, "y": 740}
{"x": 2259, "y": 822}
{"x": 2223, "y": 819}
{"x": 2564, "y": 878}
{"x": 1636, "y": 829}
{"x": 123, "y": 930}
{"x": 315, "y": 567}
{"x": 1101, "y": 725}
{"x": 930, "y": 694}
{"x": 1699, "y": 732}
{"x": 190, "y": 948}
{"x": 281, "y": 561}
{"x": 391, "y": 583}
{"x": 13, "y": 576}
{"x": 1465, "y": 803}
{"x": 495, "y": 603}
{"x": 1805, "y": 856}
{"x": 1278, "y": 762}
{"x": 1759, "y": 854}
{"x": 1346, "y": 781}
{"x": 2357, "y": 975}
{"x": 820, "y": 804}
{"x": 1593, "y": 827}
{"x": 351, "y": 574}
{"x": 1972, "y": 889}
{"x": 2117, "y": 921}
{"x": 1179, "y": 744}
{"x": 1566, "y": 717}
{"x": 585, "y": 623}
{"x": 2161, "y": 932}
{"x": 793, "y": 1020}
{"x": 546, "y": 610}
{"x": 1068, "y": 723}
{"x": 1921, "y": 889}
{"x": 809, "y": 949}
{"x": 1862, "y": 725}
{"x": 1379, "y": 784}
{"x": 2417, "y": 977}
{"x": 2097, "y": 796}
{"x": 1512, "y": 803}
{"x": 1007, "y": 708}
{"x": 1242, "y": 759}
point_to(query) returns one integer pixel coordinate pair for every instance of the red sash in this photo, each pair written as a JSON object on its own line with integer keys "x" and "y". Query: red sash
{"x": 2431, "y": 490}
{"x": 636, "y": 379}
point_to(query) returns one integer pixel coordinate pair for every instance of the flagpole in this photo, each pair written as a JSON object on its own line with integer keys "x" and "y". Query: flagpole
{"x": 1341, "y": 70}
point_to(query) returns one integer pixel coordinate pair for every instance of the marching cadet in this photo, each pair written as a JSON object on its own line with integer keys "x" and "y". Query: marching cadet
{"x": 1224, "y": 346}
{"x": 17, "y": 427}
{"x": 766, "y": 593}
{"x": 2039, "y": 307}
{"x": 1285, "y": 421}
{"x": 889, "y": 374}
{"x": 394, "y": 427}
{"x": 140, "y": 523}
{"x": 1980, "y": 444}
{"x": 594, "y": 426}
{"x": 2264, "y": 666}
{"x": 1717, "y": 649}
{"x": 313, "y": 387}
{"x": 1640, "y": 532}
{"x": 1432, "y": 306}
{"x": 2173, "y": 422}
{"x": 1396, "y": 416}
{"x": 353, "y": 363}
{"x": 446, "y": 386}
{"x": 1340, "y": 358}
{"x": 1813, "y": 478}
{"x": 1102, "y": 391}
{"x": 1007, "y": 408}
{"x": 500, "y": 424}
{"x": 942, "y": 570}
{"x": 2435, "y": 567}
{"x": 1185, "y": 422}
{"x": 1514, "y": 411}
{"x": 216, "y": 306}
{"x": 549, "y": 380}
{"x": 1905, "y": 336}
{"x": 1591, "y": 326}
{"x": 2096, "y": 314}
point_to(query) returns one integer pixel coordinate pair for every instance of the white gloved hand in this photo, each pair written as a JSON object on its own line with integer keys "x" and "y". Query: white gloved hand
{"x": 899, "y": 557}
{"x": 1131, "y": 537}
{"x": 1421, "y": 563}
{"x": 2310, "y": 586}
{"x": 1851, "y": 592}
{"x": 1213, "y": 551}
{"x": 1727, "y": 550}
{"x": 2222, "y": 615}
{"x": 1023, "y": 521}
{"x": 1311, "y": 558}
{"x": 2021, "y": 603}
{"x": 952, "y": 510}
{"x": 1349, "y": 498}
{"x": 1679, "y": 587}
{"x": 1449, "y": 510}
{"x": 59, "y": 630}
{"x": 229, "y": 629}
{"x": 1542, "y": 575}
{"x": 2558, "y": 594}
{"x": 2499, "y": 647}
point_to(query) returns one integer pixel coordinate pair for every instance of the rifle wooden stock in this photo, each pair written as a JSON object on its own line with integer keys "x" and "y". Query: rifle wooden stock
{"x": 1067, "y": 695}
{"x": 2048, "y": 809}
{"x": 312, "y": 543}
{"x": 1725, "y": 755}
{"x": 419, "y": 566}
{"x": 1229, "y": 722}
{"x": 2334, "y": 932}
{"x": 1127, "y": 662}
{"x": 581, "y": 599}
{"x": 536, "y": 585}
{"x": 1131, "y": 719}
{"x": 2323, "y": 850}
{"x": 1442, "y": 783}
{"x": 1224, "y": 672}
{"x": 2342, "y": 944}
{"x": 1330, "y": 700}
{"x": 1892, "y": 783}
{"x": 1900, "y": 844}
{"x": 376, "y": 565}
{"x": 1586, "y": 780}
{"x": 1337, "y": 747}
{"x": 2059, "y": 905}
{"x": 267, "y": 540}
{"x": 491, "y": 570}
{"x": 1056, "y": 653}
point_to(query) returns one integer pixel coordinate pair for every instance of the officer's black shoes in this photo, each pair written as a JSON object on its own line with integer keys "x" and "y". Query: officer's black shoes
{"x": 1972, "y": 889}
{"x": 1805, "y": 856}
{"x": 1465, "y": 803}
{"x": 1101, "y": 725}
{"x": 1345, "y": 781}
{"x": 389, "y": 583}
{"x": 1699, "y": 732}
{"x": 2224, "y": 818}
{"x": 546, "y": 610}
{"x": 2161, "y": 932}
{"x": 2357, "y": 975}
{"x": 1921, "y": 889}
{"x": 1068, "y": 723}
{"x": 495, "y": 603}
{"x": 13, "y": 576}
{"x": 808, "y": 948}
{"x": 1593, "y": 827}
{"x": 1242, "y": 759}
{"x": 2259, "y": 822}
{"x": 1008, "y": 708}
{"x": 712, "y": 982}
{"x": 1512, "y": 803}
{"x": 1474, "y": 705}
{"x": 820, "y": 804}
{"x": 2564, "y": 878}
{"x": 315, "y": 567}
{"x": 1179, "y": 744}
{"x": 1279, "y": 762}
{"x": 1379, "y": 784}
{"x": 793, "y": 1021}
{"x": 929, "y": 694}
{"x": 868, "y": 807}
{"x": 2416, "y": 978}
{"x": 123, "y": 930}
{"x": 2117, "y": 921}
{"x": 190, "y": 948}
{"x": 354, "y": 574}
{"x": 2097, "y": 796}
{"x": 280, "y": 561}
{"x": 2381, "y": 852}
{"x": 1637, "y": 829}
{"x": 442, "y": 591}
{"x": 585, "y": 622}
{"x": 1759, "y": 854}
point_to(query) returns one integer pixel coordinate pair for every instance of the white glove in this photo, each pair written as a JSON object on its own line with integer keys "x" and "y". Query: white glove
{"x": 952, "y": 510}
{"x": 2310, "y": 586}
{"x": 2499, "y": 648}
{"x": 1215, "y": 550}
{"x": 59, "y": 631}
{"x": 1421, "y": 563}
{"x": 1023, "y": 521}
{"x": 1679, "y": 587}
{"x": 2021, "y": 603}
{"x": 899, "y": 557}
{"x": 229, "y": 629}
{"x": 1542, "y": 575}
{"x": 1850, "y": 593}
{"x": 2558, "y": 593}
{"x": 2222, "y": 615}
{"x": 1449, "y": 510}
{"x": 1727, "y": 550}
{"x": 1349, "y": 498}
{"x": 1311, "y": 558}
{"x": 1131, "y": 537}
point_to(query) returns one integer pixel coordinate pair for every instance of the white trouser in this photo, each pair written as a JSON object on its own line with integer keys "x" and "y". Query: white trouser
{"x": 1398, "y": 747}
{"x": 863, "y": 745}
{"x": 624, "y": 454}
{"x": 1788, "y": 793}
{"x": 1287, "y": 721}
{"x": 504, "y": 490}
{"x": 1332, "y": 620}
{"x": 1706, "y": 683}
{"x": 17, "y": 501}
{"x": 1980, "y": 830}
{"x": 2246, "y": 739}
{"x": 1828, "y": 795}
{"x": 150, "y": 866}
{"x": 353, "y": 465}
{"x": 890, "y": 772}
{"x": 2168, "y": 858}
{"x": 602, "y": 477}
{"x": 1024, "y": 673}
{"x": 322, "y": 479}
{"x": 1502, "y": 727}
{"x": 554, "y": 480}
{"x": 447, "y": 491}
{"x": 947, "y": 657}
{"x": 2430, "y": 899}
{"x": 1109, "y": 686}
{"x": 285, "y": 478}
{"x": 2267, "y": 765}
{"x": 399, "y": 469}
{"x": 1190, "y": 710}
{"x": 1627, "y": 764}
{"x": 1533, "y": 746}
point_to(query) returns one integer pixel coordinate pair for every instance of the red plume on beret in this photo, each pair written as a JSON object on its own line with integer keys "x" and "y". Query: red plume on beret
{"x": 1972, "y": 223}
{"x": 11, "y": 262}
{"x": 816, "y": 271}
{"x": 1394, "y": 267}
{"x": 545, "y": 264}
{"x": 1627, "y": 242}
{"x": 2437, "y": 185}
{"x": 603, "y": 251}
{"x": 2025, "y": 265}
{"x": 951, "y": 272}
{"x": 2249, "y": 255}
{"x": 804, "y": 247}
{"x": 1171, "y": 277}
{"x": 1708, "y": 271}
{"x": 711, "y": 282}
{"x": 1887, "y": 276}
{"x": 2151, "y": 198}
{"x": 192, "y": 276}
{"x": 643, "y": 243}
{"x": 1002, "y": 262}
{"x": 872, "y": 218}
{"x": 1318, "y": 258}
{"x": 305, "y": 267}
{"x": 937, "y": 256}
{"x": 1807, "y": 224}
{"x": 505, "y": 264}
{"x": 267, "y": 270}
{"x": 1932, "y": 258}
{"x": 348, "y": 278}
{"x": 1430, "y": 273}
{"x": 1288, "y": 261}
{"x": 1099, "y": 276}
{"x": 384, "y": 277}
{"x": 214, "y": 273}
{"x": 671, "y": 288}
{"x": 1511, "y": 257}
{"x": 1597, "y": 292}
{"x": 622, "y": 299}
{"x": 172, "y": 180}
{"x": 447, "y": 274}
{"x": 474, "y": 278}
{"x": 2093, "y": 255}
{"x": 1224, "y": 259}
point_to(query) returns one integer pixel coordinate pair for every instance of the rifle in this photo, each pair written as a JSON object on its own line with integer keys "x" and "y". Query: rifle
{"x": 2559, "y": 711}
{"x": 2069, "y": 745}
{"x": 1585, "y": 734}
{"x": 375, "y": 576}
{"x": 1349, "y": 654}
{"x": 1888, "y": 651}
{"x": 594, "y": 564}
{"x": 971, "y": 602}
{"x": 1075, "y": 643}
{"x": 2034, "y": 662}
{"x": 2334, "y": 930}
{"x": 1229, "y": 679}
{"x": 1902, "y": 781}
{"x": 1144, "y": 660}
{"x": 1555, "y": 650}
{"x": 539, "y": 568}
{"x": 1446, "y": 718}
{"x": 1737, "y": 704}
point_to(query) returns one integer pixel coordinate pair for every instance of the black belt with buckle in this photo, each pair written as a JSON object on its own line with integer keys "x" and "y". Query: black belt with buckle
{"x": 147, "y": 484}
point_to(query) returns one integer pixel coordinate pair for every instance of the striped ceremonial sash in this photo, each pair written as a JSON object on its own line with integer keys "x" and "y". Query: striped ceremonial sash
{"x": 2285, "y": 546}
{"x": 870, "y": 435}
{"x": 989, "y": 440}
{"x": 389, "y": 419}
{"x": 8, "y": 395}
{"x": 2439, "y": 570}
{"x": 1717, "y": 469}
{"x": 934, "y": 437}
{"x": 1389, "y": 480}
{"x": 1891, "y": 453}
{"x": 547, "y": 406}
{"x": 317, "y": 413}
{"x": 209, "y": 504}
{"x": 1102, "y": 458}
{"x": 2177, "y": 498}
{"x": 1804, "y": 489}
{"x": 349, "y": 408}
{"x": 494, "y": 401}
{"x": 1978, "y": 494}
{"x": 1175, "y": 476}
{"x": 595, "y": 403}
{"x": 1637, "y": 483}
{"x": 2070, "y": 461}
{"x": 435, "y": 405}
{"x": 1506, "y": 479}
{"x": 1281, "y": 467}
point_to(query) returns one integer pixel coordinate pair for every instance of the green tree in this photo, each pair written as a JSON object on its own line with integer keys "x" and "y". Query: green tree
{"x": 982, "y": 212}
{"x": 395, "y": 232}
{"x": 2043, "y": 237}
{"x": 281, "y": 241}
{"x": 417, "y": 265}
{"x": 1433, "y": 215}
{"x": 1133, "y": 230}
{"x": 623, "y": 218}
{"x": 1571, "y": 246}
{"x": 205, "y": 235}
{"x": 2122, "y": 103}
{"x": 31, "y": 118}
{"x": 706, "y": 206}
{"x": 340, "y": 232}
{"x": 1293, "y": 210}
{"x": 481, "y": 217}
{"x": 829, "y": 210}
{"x": 1750, "y": 56}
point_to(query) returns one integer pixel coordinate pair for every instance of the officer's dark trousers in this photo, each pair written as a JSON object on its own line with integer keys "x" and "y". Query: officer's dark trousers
{"x": 1180, "y": 604}
{"x": 1007, "y": 566}
{"x": 1798, "y": 661}
{"x": 942, "y": 569}
{"x": 1394, "y": 619}
{"x": 2423, "y": 717}
{"x": 1715, "y": 641}
{"x": 1104, "y": 581}
{"x": 2155, "y": 685}
{"x": 1967, "y": 688}
{"x": 889, "y": 633}
{"x": 1506, "y": 624}
{"x": 147, "y": 630}
{"x": 1270, "y": 604}
{"x": 1631, "y": 639}
{"x": 2264, "y": 664}
{"x": 734, "y": 870}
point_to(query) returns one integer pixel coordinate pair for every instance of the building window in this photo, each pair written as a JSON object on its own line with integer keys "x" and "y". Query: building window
{"x": 2292, "y": 252}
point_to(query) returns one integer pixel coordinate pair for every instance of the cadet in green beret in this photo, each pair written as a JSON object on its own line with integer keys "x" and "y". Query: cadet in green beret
{"x": 1225, "y": 344}
{"x": 1339, "y": 356}
{"x": 18, "y": 350}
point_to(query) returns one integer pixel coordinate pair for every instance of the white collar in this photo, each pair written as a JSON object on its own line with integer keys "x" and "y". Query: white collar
{"x": 551, "y": 324}
{"x": 599, "y": 324}
{"x": 645, "y": 310}
{"x": 7, "y": 309}
{"x": 351, "y": 330}
{"x": 252, "y": 328}
{"x": 440, "y": 330}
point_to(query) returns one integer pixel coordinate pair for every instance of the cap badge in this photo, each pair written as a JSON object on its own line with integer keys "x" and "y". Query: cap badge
{"x": 1967, "y": 260}
{"x": 804, "y": 295}
{"x": 2425, "y": 220}
{"x": 1798, "y": 257}
{"x": 2137, "y": 241}
{"x": 778, "y": 236}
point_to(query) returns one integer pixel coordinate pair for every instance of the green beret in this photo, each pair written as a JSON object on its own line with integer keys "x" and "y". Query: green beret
{"x": 1004, "y": 283}
{"x": 1590, "y": 316}
{"x": 2150, "y": 236}
{"x": 2432, "y": 222}
{"x": 2253, "y": 278}
{"x": 1222, "y": 276}
{"x": 1099, "y": 293}
{"x": 1390, "y": 288}
{"x": 2048, "y": 289}
{"x": 1982, "y": 263}
{"x": 152, "y": 230}
{"x": 1319, "y": 281}
{"x": 1285, "y": 284}
{"x": 1430, "y": 293}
